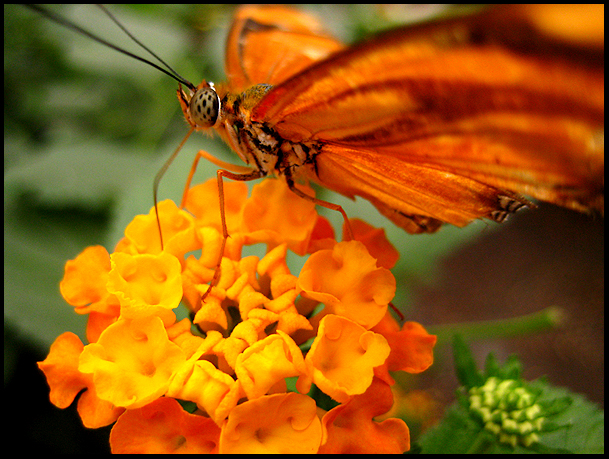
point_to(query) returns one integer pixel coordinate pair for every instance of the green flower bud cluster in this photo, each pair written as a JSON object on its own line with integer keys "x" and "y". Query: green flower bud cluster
{"x": 508, "y": 410}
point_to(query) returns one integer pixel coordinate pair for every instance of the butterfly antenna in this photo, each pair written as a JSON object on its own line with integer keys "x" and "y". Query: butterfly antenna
{"x": 142, "y": 45}
{"x": 70, "y": 25}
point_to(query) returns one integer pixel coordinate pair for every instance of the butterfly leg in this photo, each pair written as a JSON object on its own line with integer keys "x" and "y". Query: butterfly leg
{"x": 241, "y": 170}
{"x": 157, "y": 181}
{"x": 322, "y": 203}
{"x": 252, "y": 175}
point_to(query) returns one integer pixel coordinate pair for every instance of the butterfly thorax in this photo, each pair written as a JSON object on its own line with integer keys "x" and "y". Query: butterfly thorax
{"x": 258, "y": 144}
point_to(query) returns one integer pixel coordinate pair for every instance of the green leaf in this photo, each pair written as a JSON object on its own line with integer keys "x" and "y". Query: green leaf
{"x": 465, "y": 365}
{"x": 583, "y": 421}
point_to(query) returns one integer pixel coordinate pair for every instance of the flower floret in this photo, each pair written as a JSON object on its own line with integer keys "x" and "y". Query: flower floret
{"x": 145, "y": 284}
{"x": 266, "y": 362}
{"x": 348, "y": 282}
{"x": 205, "y": 385}
{"x": 84, "y": 282}
{"x": 163, "y": 427}
{"x": 342, "y": 358}
{"x": 278, "y": 423}
{"x": 178, "y": 228}
{"x": 133, "y": 362}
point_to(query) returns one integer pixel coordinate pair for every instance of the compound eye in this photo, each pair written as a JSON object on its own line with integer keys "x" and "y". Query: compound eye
{"x": 205, "y": 107}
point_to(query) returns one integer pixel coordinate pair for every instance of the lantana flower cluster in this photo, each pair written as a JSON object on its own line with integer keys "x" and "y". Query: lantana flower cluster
{"x": 234, "y": 376}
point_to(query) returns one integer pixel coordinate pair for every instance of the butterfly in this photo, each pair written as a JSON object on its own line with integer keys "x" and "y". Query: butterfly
{"x": 442, "y": 122}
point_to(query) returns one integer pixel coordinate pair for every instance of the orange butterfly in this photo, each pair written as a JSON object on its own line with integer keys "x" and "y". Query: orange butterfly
{"x": 438, "y": 123}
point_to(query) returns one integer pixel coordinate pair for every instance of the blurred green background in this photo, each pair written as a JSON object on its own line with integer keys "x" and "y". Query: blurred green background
{"x": 85, "y": 131}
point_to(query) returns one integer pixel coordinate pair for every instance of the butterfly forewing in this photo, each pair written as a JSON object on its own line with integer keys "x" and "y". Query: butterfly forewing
{"x": 269, "y": 45}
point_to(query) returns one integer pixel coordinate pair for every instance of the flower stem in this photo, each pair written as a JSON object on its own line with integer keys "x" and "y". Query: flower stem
{"x": 546, "y": 319}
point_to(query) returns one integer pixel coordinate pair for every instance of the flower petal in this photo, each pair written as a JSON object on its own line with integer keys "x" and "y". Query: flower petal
{"x": 375, "y": 241}
{"x": 142, "y": 234}
{"x": 84, "y": 282}
{"x": 61, "y": 370}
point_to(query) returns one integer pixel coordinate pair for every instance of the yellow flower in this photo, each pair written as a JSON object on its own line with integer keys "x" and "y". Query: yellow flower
{"x": 266, "y": 362}
{"x": 146, "y": 284}
{"x": 142, "y": 234}
{"x": 133, "y": 362}
{"x": 279, "y": 423}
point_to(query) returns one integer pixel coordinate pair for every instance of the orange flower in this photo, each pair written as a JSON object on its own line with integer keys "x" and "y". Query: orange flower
{"x": 84, "y": 282}
{"x": 279, "y": 423}
{"x": 133, "y": 362}
{"x": 202, "y": 200}
{"x": 347, "y": 281}
{"x": 375, "y": 241}
{"x": 233, "y": 354}
{"x": 212, "y": 315}
{"x": 61, "y": 370}
{"x": 411, "y": 347}
{"x": 342, "y": 357}
{"x": 276, "y": 215}
{"x": 350, "y": 428}
{"x": 163, "y": 427}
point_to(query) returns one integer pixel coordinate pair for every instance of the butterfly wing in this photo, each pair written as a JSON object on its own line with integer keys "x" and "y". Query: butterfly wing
{"x": 270, "y": 44}
{"x": 415, "y": 196}
{"x": 447, "y": 122}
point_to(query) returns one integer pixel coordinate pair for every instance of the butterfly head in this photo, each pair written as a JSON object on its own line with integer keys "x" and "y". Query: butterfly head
{"x": 201, "y": 107}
